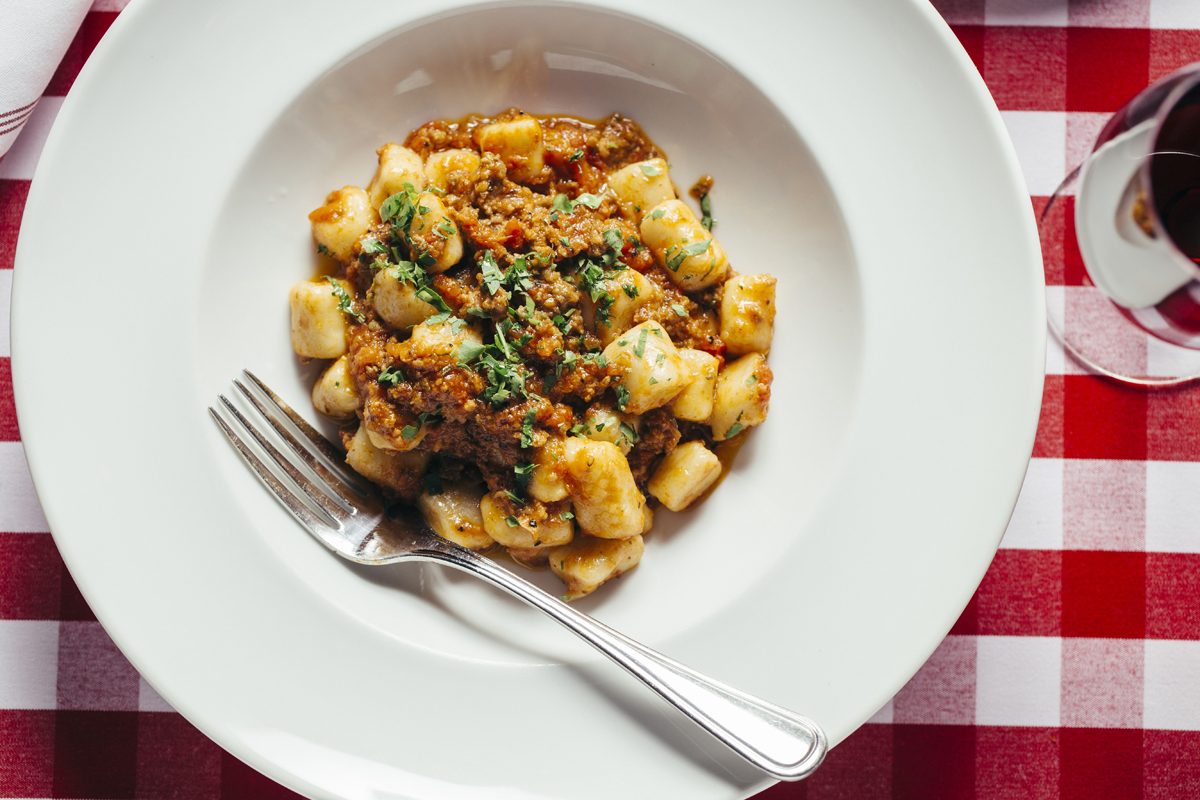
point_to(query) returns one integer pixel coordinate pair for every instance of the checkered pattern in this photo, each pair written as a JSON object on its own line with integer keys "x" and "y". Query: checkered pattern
{"x": 1073, "y": 673}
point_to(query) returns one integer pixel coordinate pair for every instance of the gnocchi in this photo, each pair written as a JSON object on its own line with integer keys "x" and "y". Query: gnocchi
{"x": 693, "y": 259}
{"x": 532, "y": 338}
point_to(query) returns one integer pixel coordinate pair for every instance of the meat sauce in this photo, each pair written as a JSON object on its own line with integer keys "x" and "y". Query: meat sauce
{"x": 512, "y": 220}
{"x": 548, "y": 248}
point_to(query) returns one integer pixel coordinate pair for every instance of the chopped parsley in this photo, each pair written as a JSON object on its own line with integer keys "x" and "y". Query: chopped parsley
{"x": 391, "y": 376}
{"x": 523, "y": 470}
{"x": 499, "y": 366}
{"x": 517, "y": 276}
{"x": 410, "y": 432}
{"x": 753, "y": 379}
{"x": 657, "y": 213}
{"x": 639, "y": 349}
{"x": 562, "y": 203}
{"x": 372, "y": 245}
{"x": 650, "y": 170}
{"x": 706, "y": 209}
{"x": 578, "y": 154}
{"x": 622, "y": 395}
{"x": 408, "y": 272}
{"x": 736, "y": 428}
{"x": 493, "y": 278}
{"x": 527, "y": 428}
{"x": 567, "y": 206}
{"x": 612, "y": 237}
{"x": 630, "y": 289}
{"x": 343, "y": 298}
{"x": 683, "y": 251}
{"x": 323, "y": 250}
{"x": 512, "y": 522}
{"x": 678, "y": 309}
{"x": 628, "y": 433}
{"x": 592, "y": 201}
{"x": 400, "y": 208}
{"x": 430, "y": 295}
{"x": 592, "y": 277}
{"x": 468, "y": 351}
{"x": 565, "y": 515}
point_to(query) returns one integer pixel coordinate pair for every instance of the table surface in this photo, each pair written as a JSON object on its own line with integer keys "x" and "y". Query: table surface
{"x": 1073, "y": 673}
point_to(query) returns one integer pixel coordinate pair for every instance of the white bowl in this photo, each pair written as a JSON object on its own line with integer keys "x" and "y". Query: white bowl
{"x": 857, "y": 157}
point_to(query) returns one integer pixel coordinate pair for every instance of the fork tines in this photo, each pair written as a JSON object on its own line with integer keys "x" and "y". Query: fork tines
{"x": 310, "y": 464}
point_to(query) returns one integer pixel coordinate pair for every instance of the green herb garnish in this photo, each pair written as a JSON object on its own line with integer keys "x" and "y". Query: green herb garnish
{"x": 523, "y": 470}
{"x": 343, "y": 298}
{"x": 706, "y": 209}
{"x": 628, "y": 433}
{"x": 639, "y": 349}
{"x": 527, "y": 428}
{"x": 622, "y": 396}
{"x": 492, "y": 276}
{"x": 391, "y": 376}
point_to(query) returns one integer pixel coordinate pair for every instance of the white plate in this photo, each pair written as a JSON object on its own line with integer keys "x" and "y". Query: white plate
{"x": 857, "y": 156}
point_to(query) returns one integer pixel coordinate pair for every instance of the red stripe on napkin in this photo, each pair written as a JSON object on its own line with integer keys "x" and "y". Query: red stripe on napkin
{"x": 1173, "y": 424}
{"x": 1102, "y": 419}
{"x": 1049, "y": 440}
{"x": 1021, "y": 594}
{"x": 1016, "y": 762}
{"x": 175, "y": 759}
{"x": 1173, "y": 596}
{"x": 1103, "y": 594}
{"x": 1100, "y": 763}
{"x": 73, "y": 606}
{"x": 1171, "y": 764}
{"x": 1106, "y": 67}
{"x": 95, "y": 25}
{"x": 240, "y": 782}
{"x": 27, "y": 753}
{"x": 95, "y": 753}
{"x": 1170, "y": 50}
{"x": 971, "y": 38}
{"x": 30, "y": 577}
{"x": 8, "y": 407}
{"x": 12, "y": 206}
{"x": 933, "y": 762}
{"x": 1025, "y": 67}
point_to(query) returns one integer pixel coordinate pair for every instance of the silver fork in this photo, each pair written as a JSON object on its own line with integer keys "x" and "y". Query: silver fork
{"x": 347, "y": 516}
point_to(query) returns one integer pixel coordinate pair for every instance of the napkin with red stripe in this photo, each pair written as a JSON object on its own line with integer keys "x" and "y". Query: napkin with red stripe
{"x": 34, "y": 37}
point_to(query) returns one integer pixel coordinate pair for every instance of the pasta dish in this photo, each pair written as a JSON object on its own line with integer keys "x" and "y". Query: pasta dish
{"x": 533, "y": 338}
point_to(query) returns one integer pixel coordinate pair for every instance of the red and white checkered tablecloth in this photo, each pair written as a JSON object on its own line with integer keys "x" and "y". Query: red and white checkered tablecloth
{"x": 1074, "y": 672}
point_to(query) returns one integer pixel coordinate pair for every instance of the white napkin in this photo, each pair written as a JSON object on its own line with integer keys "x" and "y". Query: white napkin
{"x": 34, "y": 37}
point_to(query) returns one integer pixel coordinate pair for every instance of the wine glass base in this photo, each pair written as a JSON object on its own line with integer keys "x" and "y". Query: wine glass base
{"x": 1095, "y": 337}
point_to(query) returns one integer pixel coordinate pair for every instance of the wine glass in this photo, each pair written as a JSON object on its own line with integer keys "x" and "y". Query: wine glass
{"x": 1124, "y": 228}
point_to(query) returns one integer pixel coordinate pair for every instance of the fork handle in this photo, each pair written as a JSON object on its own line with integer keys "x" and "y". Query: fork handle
{"x": 781, "y": 743}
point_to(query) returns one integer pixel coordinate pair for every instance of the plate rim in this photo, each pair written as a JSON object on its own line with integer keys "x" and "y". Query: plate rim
{"x": 95, "y": 66}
